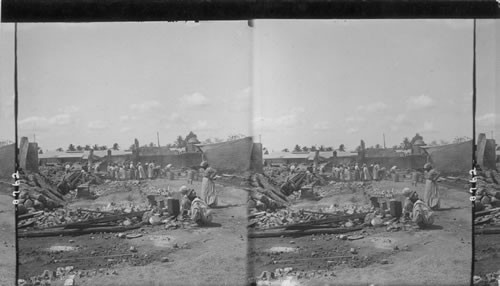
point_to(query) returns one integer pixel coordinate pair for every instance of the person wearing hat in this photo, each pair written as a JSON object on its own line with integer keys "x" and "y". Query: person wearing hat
{"x": 416, "y": 210}
{"x": 208, "y": 190}
{"x": 431, "y": 194}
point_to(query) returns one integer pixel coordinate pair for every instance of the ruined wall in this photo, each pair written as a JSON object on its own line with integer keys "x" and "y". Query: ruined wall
{"x": 28, "y": 155}
{"x": 452, "y": 158}
{"x": 7, "y": 161}
{"x": 178, "y": 161}
{"x": 489, "y": 156}
{"x": 256, "y": 158}
{"x": 230, "y": 157}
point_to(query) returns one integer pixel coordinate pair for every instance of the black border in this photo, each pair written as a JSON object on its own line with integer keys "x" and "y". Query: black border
{"x": 183, "y": 10}
{"x": 23, "y": 11}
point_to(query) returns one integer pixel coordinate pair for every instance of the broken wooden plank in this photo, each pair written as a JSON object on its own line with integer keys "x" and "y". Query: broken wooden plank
{"x": 330, "y": 220}
{"x": 100, "y": 220}
{"x": 29, "y": 215}
{"x": 488, "y": 230}
{"x": 485, "y": 212}
{"x": 311, "y": 258}
{"x": 63, "y": 232}
{"x": 265, "y": 234}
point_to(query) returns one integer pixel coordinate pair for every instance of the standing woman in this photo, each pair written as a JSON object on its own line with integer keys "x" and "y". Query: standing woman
{"x": 431, "y": 195}
{"x": 208, "y": 191}
{"x": 366, "y": 173}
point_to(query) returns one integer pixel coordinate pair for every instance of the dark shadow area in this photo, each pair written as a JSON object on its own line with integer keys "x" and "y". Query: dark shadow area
{"x": 212, "y": 224}
{"x": 225, "y": 206}
{"x": 448, "y": 209}
{"x": 433, "y": 227}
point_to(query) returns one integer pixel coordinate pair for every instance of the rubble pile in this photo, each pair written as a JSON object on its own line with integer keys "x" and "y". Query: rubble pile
{"x": 288, "y": 217}
{"x": 341, "y": 187}
{"x": 264, "y": 195}
{"x": 488, "y": 190}
{"x": 37, "y": 193}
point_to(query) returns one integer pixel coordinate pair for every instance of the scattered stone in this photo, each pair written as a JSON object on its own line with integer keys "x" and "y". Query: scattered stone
{"x": 343, "y": 237}
{"x": 121, "y": 235}
{"x": 69, "y": 282}
{"x": 349, "y": 224}
{"x": 292, "y": 242}
{"x": 71, "y": 241}
{"x": 395, "y": 247}
{"x": 132, "y": 249}
{"x": 165, "y": 259}
{"x": 127, "y": 222}
{"x": 355, "y": 237}
{"x": 384, "y": 261}
{"x": 353, "y": 251}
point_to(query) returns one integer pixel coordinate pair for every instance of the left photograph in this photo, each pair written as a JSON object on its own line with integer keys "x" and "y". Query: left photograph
{"x": 134, "y": 142}
{"x": 7, "y": 167}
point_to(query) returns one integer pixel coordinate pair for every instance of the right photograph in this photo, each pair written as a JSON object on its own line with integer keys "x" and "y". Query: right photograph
{"x": 367, "y": 135}
{"x": 487, "y": 203}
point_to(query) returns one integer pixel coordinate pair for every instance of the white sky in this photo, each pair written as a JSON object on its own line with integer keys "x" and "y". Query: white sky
{"x": 316, "y": 82}
{"x": 337, "y": 82}
{"x": 100, "y": 83}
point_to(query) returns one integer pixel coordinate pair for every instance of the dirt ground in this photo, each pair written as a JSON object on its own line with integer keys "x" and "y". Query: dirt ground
{"x": 7, "y": 237}
{"x": 486, "y": 255}
{"x": 213, "y": 255}
{"x": 437, "y": 256}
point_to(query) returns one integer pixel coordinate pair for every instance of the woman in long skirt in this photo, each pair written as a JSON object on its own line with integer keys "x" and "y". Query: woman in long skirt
{"x": 431, "y": 195}
{"x": 208, "y": 191}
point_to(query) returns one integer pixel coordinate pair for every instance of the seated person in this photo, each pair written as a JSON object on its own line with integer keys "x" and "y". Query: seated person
{"x": 194, "y": 207}
{"x": 416, "y": 210}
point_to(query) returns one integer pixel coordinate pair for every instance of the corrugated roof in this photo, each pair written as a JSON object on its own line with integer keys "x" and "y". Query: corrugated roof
{"x": 286, "y": 155}
{"x": 55, "y": 155}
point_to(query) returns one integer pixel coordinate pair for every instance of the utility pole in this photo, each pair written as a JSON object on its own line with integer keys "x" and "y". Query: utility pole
{"x": 158, "y": 137}
{"x": 383, "y": 134}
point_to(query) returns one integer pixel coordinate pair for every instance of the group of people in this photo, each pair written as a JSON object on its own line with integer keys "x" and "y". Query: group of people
{"x": 356, "y": 173}
{"x": 421, "y": 211}
{"x": 196, "y": 207}
{"x": 129, "y": 171}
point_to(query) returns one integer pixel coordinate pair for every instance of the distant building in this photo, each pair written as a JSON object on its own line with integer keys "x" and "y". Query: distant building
{"x": 417, "y": 147}
{"x": 191, "y": 145}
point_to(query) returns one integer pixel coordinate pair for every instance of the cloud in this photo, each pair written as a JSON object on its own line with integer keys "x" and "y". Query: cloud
{"x": 400, "y": 118}
{"x": 97, "y": 125}
{"x": 242, "y": 101}
{"x": 289, "y": 120}
{"x": 486, "y": 119}
{"x": 428, "y": 127}
{"x": 124, "y": 118}
{"x": 201, "y": 125}
{"x": 355, "y": 118}
{"x": 352, "y": 130}
{"x": 125, "y": 129}
{"x": 376, "y": 106}
{"x": 323, "y": 125}
{"x": 421, "y": 101}
{"x": 45, "y": 123}
{"x": 195, "y": 99}
{"x": 145, "y": 106}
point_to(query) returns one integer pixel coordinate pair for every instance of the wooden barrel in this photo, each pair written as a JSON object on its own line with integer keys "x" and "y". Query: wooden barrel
{"x": 173, "y": 206}
{"x": 396, "y": 208}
